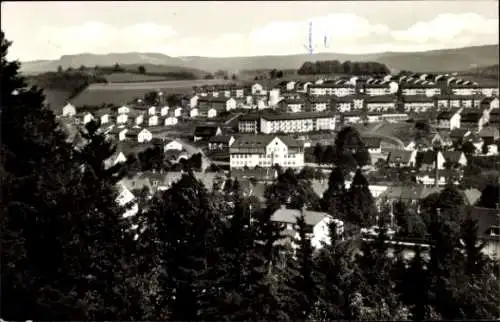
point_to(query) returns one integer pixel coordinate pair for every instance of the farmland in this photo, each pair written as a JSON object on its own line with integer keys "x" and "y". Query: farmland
{"x": 121, "y": 93}
{"x": 133, "y": 77}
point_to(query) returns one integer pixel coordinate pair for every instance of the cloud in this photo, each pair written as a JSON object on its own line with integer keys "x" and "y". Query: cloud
{"x": 349, "y": 33}
{"x": 345, "y": 33}
{"x": 447, "y": 27}
{"x": 98, "y": 37}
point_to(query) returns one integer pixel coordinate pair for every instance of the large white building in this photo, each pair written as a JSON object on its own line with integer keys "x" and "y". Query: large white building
{"x": 297, "y": 122}
{"x": 344, "y": 89}
{"x": 251, "y": 150}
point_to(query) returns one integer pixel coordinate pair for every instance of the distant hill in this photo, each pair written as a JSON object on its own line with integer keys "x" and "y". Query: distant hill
{"x": 483, "y": 72}
{"x": 447, "y": 60}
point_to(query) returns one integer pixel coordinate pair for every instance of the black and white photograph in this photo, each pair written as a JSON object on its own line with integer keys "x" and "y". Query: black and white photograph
{"x": 250, "y": 161}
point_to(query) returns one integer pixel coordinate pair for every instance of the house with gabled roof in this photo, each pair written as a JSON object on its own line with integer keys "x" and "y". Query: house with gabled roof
{"x": 400, "y": 158}
{"x": 316, "y": 224}
{"x": 449, "y": 119}
{"x": 69, "y": 110}
{"x": 220, "y": 142}
{"x": 454, "y": 159}
{"x": 265, "y": 151}
{"x": 488, "y": 229}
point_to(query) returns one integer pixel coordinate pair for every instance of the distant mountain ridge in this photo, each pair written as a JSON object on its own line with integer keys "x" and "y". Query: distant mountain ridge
{"x": 446, "y": 60}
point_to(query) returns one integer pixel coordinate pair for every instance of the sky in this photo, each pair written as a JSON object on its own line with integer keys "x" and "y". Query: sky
{"x": 47, "y": 30}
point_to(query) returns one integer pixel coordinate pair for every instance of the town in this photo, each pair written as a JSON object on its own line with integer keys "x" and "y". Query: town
{"x": 445, "y": 124}
{"x": 142, "y": 181}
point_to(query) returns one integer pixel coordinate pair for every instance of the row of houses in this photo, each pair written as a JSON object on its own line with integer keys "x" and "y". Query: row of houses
{"x": 473, "y": 120}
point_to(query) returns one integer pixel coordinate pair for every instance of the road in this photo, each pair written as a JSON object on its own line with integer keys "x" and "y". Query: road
{"x": 232, "y": 118}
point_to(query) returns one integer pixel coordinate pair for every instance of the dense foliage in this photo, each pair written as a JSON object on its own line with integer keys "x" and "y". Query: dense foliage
{"x": 190, "y": 254}
{"x": 347, "y": 67}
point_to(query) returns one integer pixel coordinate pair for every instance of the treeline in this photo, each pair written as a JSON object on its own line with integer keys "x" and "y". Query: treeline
{"x": 71, "y": 81}
{"x": 68, "y": 253}
{"x": 347, "y": 67}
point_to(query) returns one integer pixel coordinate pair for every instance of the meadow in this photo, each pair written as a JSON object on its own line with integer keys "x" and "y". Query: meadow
{"x": 122, "y": 93}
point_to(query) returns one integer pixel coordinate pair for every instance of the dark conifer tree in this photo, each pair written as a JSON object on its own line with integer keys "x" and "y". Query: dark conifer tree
{"x": 303, "y": 283}
{"x": 359, "y": 203}
{"x": 63, "y": 244}
{"x": 332, "y": 201}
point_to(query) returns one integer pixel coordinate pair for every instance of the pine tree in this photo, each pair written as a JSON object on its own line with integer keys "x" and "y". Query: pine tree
{"x": 63, "y": 254}
{"x": 186, "y": 233}
{"x": 335, "y": 276}
{"x": 332, "y": 201}
{"x": 359, "y": 203}
{"x": 303, "y": 284}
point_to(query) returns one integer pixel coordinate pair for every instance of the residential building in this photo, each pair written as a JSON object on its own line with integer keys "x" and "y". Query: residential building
{"x": 193, "y": 101}
{"x": 193, "y": 112}
{"x": 144, "y": 136}
{"x": 220, "y": 142}
{"x": 489, "y": 134}
{"x": 290, "y": 86}
{"x": 206, "y": 132}
{"x": 164, "y": 110}
{"x": 426, "y": 160}
{"x": 152, "y": 110}
{"x": 293, "y": 105}
{"x": 400, "y": 158}
{"x": 139, "y": 119}
{"x": 488, "y": 90}
{"x": 251, "y": 150}
{"x": 380, "y": 103}
{"x": 454, "y": 159}
{"x": 471, "y": 120}
{"x": 115, "y": 159}
{"x": 449, "y": 119}
{"x": 317, "y": 224}
{"x": 373, "y": 144}
{"x": 178, "y": 112}
{"x": 122, "y": 118}
{"x": 274, "y": 96}
{"x": 249, "y": 123}
{"x": 458, "y": 134}
{"x": 380, "y": 89}
{"x": 319, "y": 104}
{"x": 173, "y": 145}
{"x": 489, "y": 103}
{"x": 342, "y": 104}
{"x": 343, "y": 89}
{"x": 257, "y": 89}
{"x": 420, "y": 89}
{"x": 153, "y": 120}
{"x": 463, "y": 89}
{"x": 123, "y": 110}
{"x": 68, "y": 110}
{"x": 297, "y": 122}
{"x": 170, "y": 121}
{"x": 418, "y": 103}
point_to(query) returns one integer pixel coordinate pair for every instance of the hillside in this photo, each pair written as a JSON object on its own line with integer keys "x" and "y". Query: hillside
{"x": 448, "y": 60}
{"x": 491, "y": 72}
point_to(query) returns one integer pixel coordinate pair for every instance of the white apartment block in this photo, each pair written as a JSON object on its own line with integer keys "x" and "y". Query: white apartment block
{"x": 418, "y": 90}
{"x": 251, "y": 150}
{"x": 332, "y": 89}
{"x": 297, "y": 122}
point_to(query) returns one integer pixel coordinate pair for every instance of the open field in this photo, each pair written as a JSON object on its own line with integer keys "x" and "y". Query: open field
{"x": 133, "y": 77}
{"x": 122, "y": 93}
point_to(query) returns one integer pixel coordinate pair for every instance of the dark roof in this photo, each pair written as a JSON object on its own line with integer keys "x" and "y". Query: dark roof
{"x": 207, "y": 130}
{"x": 220, "y": 139}
{"x": 445, "y": 115}
{"x": 297, "y": 116}
{"x": 408, "y": 193}
{"x": 425, "y": 157}
{"x": 488, "y": 100}
{"x": 248, "y": 141}
{"x": 381, "y": 99}
{"x": 471, "y": 117}
{"x": 489, "y": 132}
{"x": 458, "y": 133}
{"x": 452, "y": 156}
{"x": 249, "y": 117}
{"x": 402, "y": 156}
{"x": 418, "y": 99}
